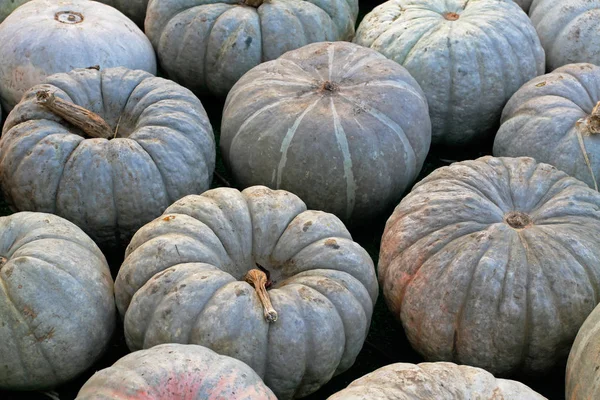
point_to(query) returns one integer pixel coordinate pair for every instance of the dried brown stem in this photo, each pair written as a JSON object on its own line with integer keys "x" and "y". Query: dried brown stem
{"x": 593, "y": 121}
{"x": 258, "y": 279}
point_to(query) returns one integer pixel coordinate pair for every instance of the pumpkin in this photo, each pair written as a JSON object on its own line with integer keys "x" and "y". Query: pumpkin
{"x": 133, "y": 9}
{"x": 44, "y": 37}
{"x": 108, "y": 150}
{"x": 568, "y": 30}
{"x": 440, "y": 381}
{"x": 468, "y": 56}
{"x": 334, "y": 123}
{"x": 176, "y": 371}
{"x": 493, "y": 263}
{"x": 57, "y": 310}
{"x": 8, "y": 6}
{"x": 253, "y": 275}
{"x": 555, "y": 118}
{"x": 207, "y": 45}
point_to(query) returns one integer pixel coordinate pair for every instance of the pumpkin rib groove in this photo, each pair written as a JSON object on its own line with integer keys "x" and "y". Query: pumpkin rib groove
{"x": 66, "y": 162}
{"x": 4, "y": 288}
{"x": 160, "y": 172}
{"x": 452, "y": 79}
{"x": 572, "y": 19}
{"x": 528, "y": 317}
{"x": 508, "y": 252}
{"x": 429, "y": 32}
{"x": 22, "y": 242}
{"x": 584, "y": 87}
{"x": 116, "y": 229}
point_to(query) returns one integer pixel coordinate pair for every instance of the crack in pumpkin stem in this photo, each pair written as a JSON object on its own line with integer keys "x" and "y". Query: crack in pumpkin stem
{"x": 260, "y": 281}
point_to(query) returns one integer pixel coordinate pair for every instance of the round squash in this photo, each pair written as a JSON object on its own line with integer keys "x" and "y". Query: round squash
{"x": 468, "y": 56}
{"x": 493, "y": 263}
{"x": 207, "y": 45}
{"x": 439, "y": 381}
{"x": 174, "y": 372}
{"x": 133, "y": 9}
{"x": 108, "y": 150}
{"x": 555, "y": 118}
{"x": 334, "y": 123}
{"x": 8, "y": 6}
{"x": 568, "y": 30}
{"x": 44, "y": 37}
{"x": 57, "y": 310}
{"x": 255, "y": 276}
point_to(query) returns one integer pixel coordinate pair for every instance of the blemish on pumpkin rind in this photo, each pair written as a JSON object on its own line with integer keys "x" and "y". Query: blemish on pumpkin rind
{"x": 306, "y": 226}
{"x": 332, "y": 243}
{"x": 169, "y": 218}
{"x": 541, "y": 84}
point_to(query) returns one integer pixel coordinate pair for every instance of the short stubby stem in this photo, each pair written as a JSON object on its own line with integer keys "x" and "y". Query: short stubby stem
{"x": 329, "y": 86}
{"x": 258, "y": 279}
{"x": 517, "y": 220}
{"x": 451, "y": 16}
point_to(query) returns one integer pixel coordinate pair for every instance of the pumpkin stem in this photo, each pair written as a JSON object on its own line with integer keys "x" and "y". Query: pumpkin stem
{"x": 253, "y": 3}
{"x": 90, "y": 123}
{"x": 258, "y": 279}
{"x": 593, "y": 121}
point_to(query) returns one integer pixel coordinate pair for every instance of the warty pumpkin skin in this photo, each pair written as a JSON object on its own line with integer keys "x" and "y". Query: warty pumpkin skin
{"x": 337, "y": 124}
{"x": 469, "y": 57}
{"x": 57, "y": 310}
{"x": 555, "y": 118}
{"x": 493, "y": 263}
{"x": 175, "y": 372}
{"x": 133, "y": 9}
{"x": 180, "y": 283}
{"x": 44, "y": 37}
{"x": 159, "y": 147}
{"x": 428, "y": 381}
{"x": 207, "y": 45}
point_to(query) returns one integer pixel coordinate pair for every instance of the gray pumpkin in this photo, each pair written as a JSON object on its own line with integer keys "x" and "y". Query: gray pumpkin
{"x": 57, "y": 310}
{"x": 555, "y": 118}
{"x": 468, "y": 56}
{"x": 207, "y": 45}
{"x": 337, "y": 124}
{"x": 156, "y": 145}
{"x": 133, "y": 9}
{"x": 188, "y": 277}
{"x": 493, "y": 263}
{"x": 429, "y": 381}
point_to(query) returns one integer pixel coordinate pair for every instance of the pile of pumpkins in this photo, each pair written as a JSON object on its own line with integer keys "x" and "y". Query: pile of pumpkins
{"x": 490, "y": 264}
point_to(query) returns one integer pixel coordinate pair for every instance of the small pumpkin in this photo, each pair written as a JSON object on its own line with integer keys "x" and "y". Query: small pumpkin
{"x": 255, "y": 276}
{"x": 493, "y": 263}
{"x": 468, "y": 56}
{"x": 440, "y": 381}
{"x": 207, "y": 45}
{"x": 555, "y": 118}
{"x": 57, "y": 310}
{"x": 44, "y": 37}
{"x": 107, "y": 149}
{"x": 173, "y": 372}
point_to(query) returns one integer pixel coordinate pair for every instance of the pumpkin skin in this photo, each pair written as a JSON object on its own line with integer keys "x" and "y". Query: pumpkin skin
{"x": 179, "y": 284}
{"x": 176, "y": 371}
{"x": 57, "y": 309}
{"x": 133, "y": 9}
{"x": 440, "y": 381}
{"x": 38, "y": 39}
{"x": 8, "y": 6}
{"x": 468, "y": 56}
{"x": 546, "y": 118}
{"x": 164, "y": 149}
{"x": 582, "y": 367}
{"x": 493, "y": 263}
{"x": 568, "y": 31}
{"x": 337, "y": 124}
{"x": 207, "y": 45}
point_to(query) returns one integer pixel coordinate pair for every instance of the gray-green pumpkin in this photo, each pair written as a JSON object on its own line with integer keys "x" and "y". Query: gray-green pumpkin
{"x": 188, "y": 277}
{"x": 57, "y": 309}
{"x": 128, "y": 146}
{"x": 335, "y": 123}
{"x": 468, "y": 56}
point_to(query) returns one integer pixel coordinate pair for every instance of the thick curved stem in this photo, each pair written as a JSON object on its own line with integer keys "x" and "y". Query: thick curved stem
{"x": 258, "y": 279}
{"x": 90, "y": 123}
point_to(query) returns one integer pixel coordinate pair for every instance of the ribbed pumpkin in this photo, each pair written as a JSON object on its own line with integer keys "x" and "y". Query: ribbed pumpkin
{"x": 108, "y": 150}
{"x": 337, "y": 124}
{"x": 57, "y": 310}
{"x": 197, "y": 275}
{"x": 207, "y": 45}
{"x": 493, "y": 263}
{"x": 468, "y": 56}
{"x": 176, "y": 372}
{"x": 429, "y": 381}
{"x": 555, "y": 118}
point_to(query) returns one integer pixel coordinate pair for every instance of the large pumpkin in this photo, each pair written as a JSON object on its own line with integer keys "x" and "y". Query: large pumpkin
{"x": 43, "y": 37}
{"x": 429, "y": 381}
{"x": 493, "y": 263}
{"x": 108, "y": 150}
{"x": 337, "y": 124}
{"x": 468, "y": 56}
{"x": 188, "y": 277}
{"x": 555, "y": 118}
{"x": 568, "y": 30}
{"x": 176, "y": 372}
{"x": 207, "y": 45}
{"x": 57, "y": 310}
